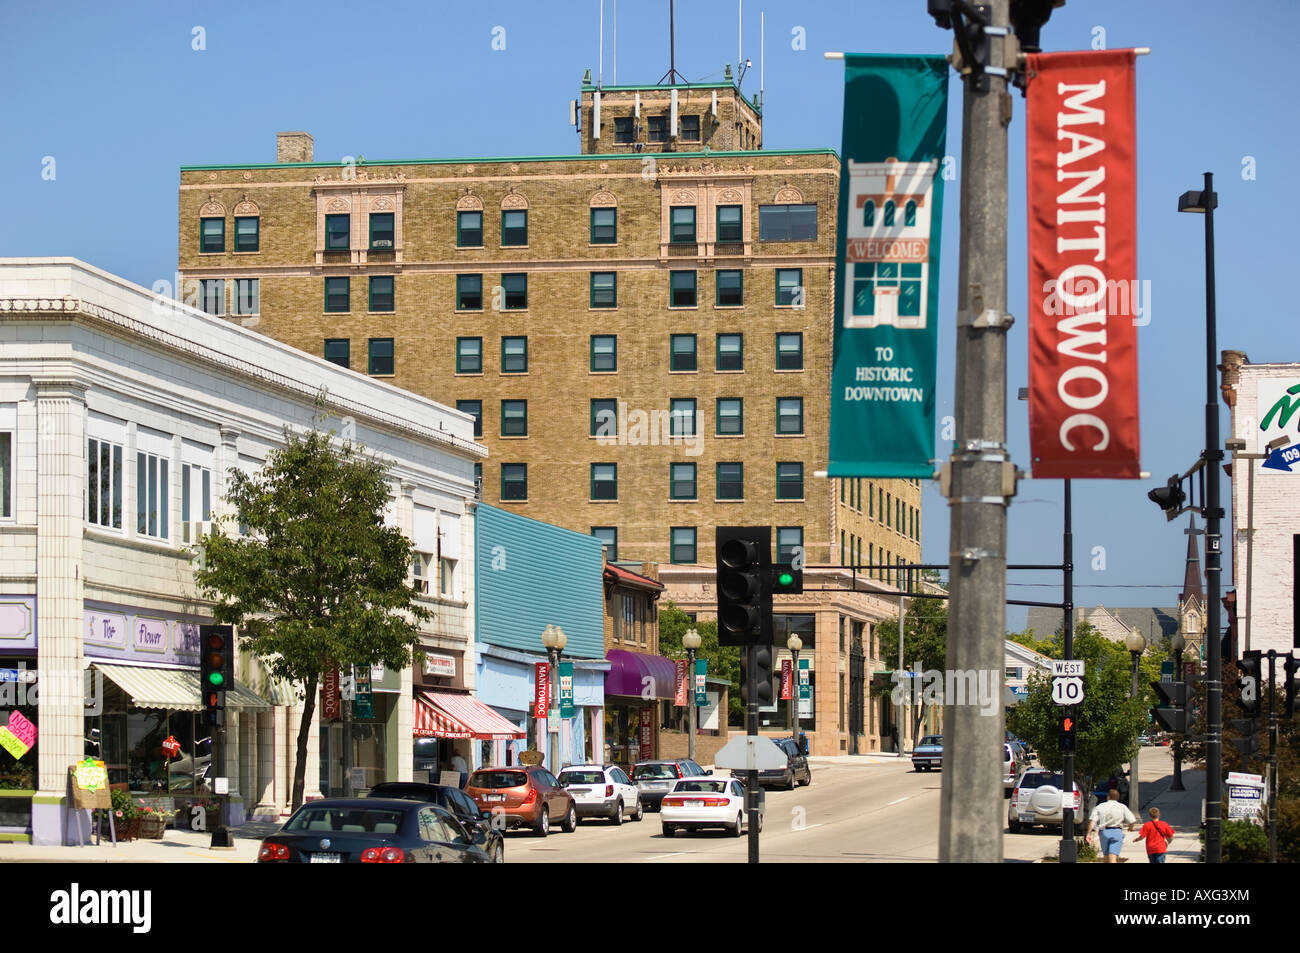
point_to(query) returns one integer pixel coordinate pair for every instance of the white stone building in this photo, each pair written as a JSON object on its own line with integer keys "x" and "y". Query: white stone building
{"x": 120, "y": 415}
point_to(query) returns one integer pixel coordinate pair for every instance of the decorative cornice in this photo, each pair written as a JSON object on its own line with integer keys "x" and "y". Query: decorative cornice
{"x": 469, "y": 202}
{"x": 697, "y": 170}
{"x": 212, "y": 209}
{"x": 788, "y": 195}
{"x": 357, "y": 175}
{"x": 513, "y": 200}
{"x": 247, "y": 208}
{"x": 604, "y": 199}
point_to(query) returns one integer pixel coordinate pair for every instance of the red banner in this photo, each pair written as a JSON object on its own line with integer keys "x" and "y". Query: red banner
{"x": 787, "y": 680}
{"x": 331, "y": 704}
{"x": 1083, "y": 289}
{"x": 682, "y": 688}
{"x": 542, "y": 690}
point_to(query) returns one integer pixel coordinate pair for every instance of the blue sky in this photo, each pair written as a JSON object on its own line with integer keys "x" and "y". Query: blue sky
{"x": 119, "y": 97}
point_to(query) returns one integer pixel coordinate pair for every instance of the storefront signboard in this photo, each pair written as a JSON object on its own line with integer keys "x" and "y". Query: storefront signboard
{"x": 89, "y": 782}
{"x": 150, "y": 635}
{"x": 105, "y": 628}
{"x": 18, "y": 622}
{"x": 440, "y": 665}
{"x": 18, "y": 736}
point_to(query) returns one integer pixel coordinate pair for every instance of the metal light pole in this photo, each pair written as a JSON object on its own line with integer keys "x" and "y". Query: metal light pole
{"x": 794, "y": 644}
{"x": 691, "y": 642}
{"x": 1177, "y": 643}
{"x": 554, "y": 639}
{"x": 909, "y": 692}
{"x": 1205, "y": 202}
{"x": 1136, "y": 643}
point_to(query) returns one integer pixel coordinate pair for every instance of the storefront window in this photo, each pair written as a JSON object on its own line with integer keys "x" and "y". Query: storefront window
{"x": 19, "y": 775}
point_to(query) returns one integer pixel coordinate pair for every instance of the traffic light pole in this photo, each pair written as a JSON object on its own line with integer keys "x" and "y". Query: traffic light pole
{"x": 751, "y": 729}
{"x": 1069, "y": 853}
{"x": 1272, "y": 756}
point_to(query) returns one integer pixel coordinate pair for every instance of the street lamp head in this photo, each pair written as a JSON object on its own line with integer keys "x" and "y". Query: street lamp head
{"x": 1236, "y": 445}
{"x": 1198, "y": 201}
{"x": 548, "y": 637}
{"x": 691, "y": 640}
{"x": 794, "y": 643}
{"x": 1135, "y": 641}
{"x": 1176, "y": 641}
{"x": 560, "y": 638}
{"x": 1278, "y": 443}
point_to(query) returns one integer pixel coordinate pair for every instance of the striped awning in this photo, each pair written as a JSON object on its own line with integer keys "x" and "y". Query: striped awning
{"x": 174, "y": 689}
{"x": 446, "y": 715}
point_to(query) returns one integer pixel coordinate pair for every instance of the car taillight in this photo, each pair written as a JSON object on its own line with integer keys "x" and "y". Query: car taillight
{"x": 531, "y": 796}
{"x": 383, "y": 855}
{"x": 671, "y": 801}
{"x": 273, "y": 851}
{"x": 1076, "y": 800}
{"x": 715, "y": 802}
{"x": 609, "y": 790}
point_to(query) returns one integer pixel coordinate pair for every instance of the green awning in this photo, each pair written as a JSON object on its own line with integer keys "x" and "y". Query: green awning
{"x": 174, "y": 689}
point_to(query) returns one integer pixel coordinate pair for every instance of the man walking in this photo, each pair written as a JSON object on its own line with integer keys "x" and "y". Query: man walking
{"x": 1110, "y": 819}
{"x": 1157, "y": 834}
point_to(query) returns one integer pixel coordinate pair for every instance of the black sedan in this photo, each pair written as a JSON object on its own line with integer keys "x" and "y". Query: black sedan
{"x": 477, "y": 822}
{"x": 371, "y": 831}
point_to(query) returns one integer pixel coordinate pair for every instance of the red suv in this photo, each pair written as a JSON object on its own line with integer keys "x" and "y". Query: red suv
{"x": 523, "y": 796}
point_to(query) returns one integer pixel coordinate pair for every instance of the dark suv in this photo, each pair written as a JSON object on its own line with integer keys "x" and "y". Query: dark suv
{"x": 796, "y": 767}
{"x": 460, "y": 804}
{"x": 654, "y": 779}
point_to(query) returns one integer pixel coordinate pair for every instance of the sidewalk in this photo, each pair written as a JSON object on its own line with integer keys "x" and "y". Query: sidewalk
{"x": 183, "y": 847}
{"x": 1181, "y": 810}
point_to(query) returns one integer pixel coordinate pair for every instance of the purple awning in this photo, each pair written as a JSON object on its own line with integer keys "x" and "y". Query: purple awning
{"x": 630, "y": 669}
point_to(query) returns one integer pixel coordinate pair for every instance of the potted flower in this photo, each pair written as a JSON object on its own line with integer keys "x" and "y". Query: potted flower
{"x": 153, "y": 821}
{"x": 126, "y": 815}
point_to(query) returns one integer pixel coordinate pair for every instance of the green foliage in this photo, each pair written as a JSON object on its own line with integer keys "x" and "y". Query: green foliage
{"x": 1288, "y": 735}
{"x": 1049, "y": 646}
{"x": 319, "y": 580}
{"x": 1108, "y": 720}
{"x": 1243, "y": 842}
{"x": 123, "y": 802}
{"x": 724, "y": 660}
{"x": 925, "y": 635}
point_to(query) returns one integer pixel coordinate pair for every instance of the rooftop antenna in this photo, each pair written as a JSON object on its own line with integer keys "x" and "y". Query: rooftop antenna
{"x": 762, "y": 49}
{"x": 742, "y": 64}
{"x": 615, "y": 42}
{"x": 672, "y": 76}
{"x": 600, "y": 68}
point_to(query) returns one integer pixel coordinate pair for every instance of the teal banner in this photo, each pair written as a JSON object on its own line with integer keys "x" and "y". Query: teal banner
{"x": 887, "y": 274}
{"x": 363, "y": 708}
{"x": 566, "y": 689}
{"x": 701, "y": 670}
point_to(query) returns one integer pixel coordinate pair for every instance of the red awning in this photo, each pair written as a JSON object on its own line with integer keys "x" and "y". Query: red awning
{"x": 446, "y": 715}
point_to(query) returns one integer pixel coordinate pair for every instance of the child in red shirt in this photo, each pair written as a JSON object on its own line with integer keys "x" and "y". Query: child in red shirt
{"x": 1157, "y": 834}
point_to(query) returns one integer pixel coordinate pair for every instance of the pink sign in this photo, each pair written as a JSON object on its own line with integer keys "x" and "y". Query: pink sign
{"x": 19, "y": 736}
{"x": 542, "y": 690}
{"x": 680, "y": 697}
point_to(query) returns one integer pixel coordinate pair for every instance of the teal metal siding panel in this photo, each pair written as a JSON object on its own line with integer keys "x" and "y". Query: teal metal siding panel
{"x": 532, "y": 574}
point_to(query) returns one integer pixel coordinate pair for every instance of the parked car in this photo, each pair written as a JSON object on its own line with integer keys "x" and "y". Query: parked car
{"x": 1038, "y": 798}
{"x": 796, "y": 768}
{"x": 654, "y": 779}
{"x": 1029, "y": 751}
{"x": 474, "y": 819}
{"x": 700, "y": 802}
{"x": 602, "y": 790}
{"x": 928, "y": 755}
{"x": 1153, "y": 738}
{"x": 523, "y": 796}
{"x": 370, "y": 831}
{"x": 1118, "y": 779}
{"x": 1014, "y": 760}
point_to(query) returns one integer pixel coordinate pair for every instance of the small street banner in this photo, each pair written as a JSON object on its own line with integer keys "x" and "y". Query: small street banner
{"x": 887, "y": 266}
{"x": 566, "y": 689}
{"x": 1082, "y": 174}
{"x": 541, "y": 689}
{"x": 363, "y": 706}
{"x": 787, "y": 680}
{"x": 701, "y": 685}
{"x": 679, "y": 697}
{"x": 331, "y": 699}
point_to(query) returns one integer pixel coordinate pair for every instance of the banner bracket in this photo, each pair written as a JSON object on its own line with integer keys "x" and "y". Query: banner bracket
{"x": 988, "y": 318}
{"x": 972, "y": 555}
{"x": 995, "y": 500}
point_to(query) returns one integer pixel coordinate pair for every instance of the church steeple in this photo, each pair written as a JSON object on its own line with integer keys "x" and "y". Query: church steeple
{"x": 1192, "y": 577}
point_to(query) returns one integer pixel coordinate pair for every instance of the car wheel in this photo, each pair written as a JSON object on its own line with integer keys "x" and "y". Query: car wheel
{"x": 498, "y": 855}
{"x": 543, "y": 823}
{"x": 1013, "y": 825}
{"x": 807, "y": 778}
{"x": 571, "y": 820}
{"x": 669, "y": 830}
{"x": 617, "y": 816}
{"x": 640, "y": 812}
{"x": 740, "y": 820}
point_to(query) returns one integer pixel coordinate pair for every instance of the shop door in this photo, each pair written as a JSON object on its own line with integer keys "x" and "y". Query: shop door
{"x": 857, "y": 691}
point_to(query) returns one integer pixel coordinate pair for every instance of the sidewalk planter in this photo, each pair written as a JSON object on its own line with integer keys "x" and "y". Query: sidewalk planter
{"x": 152, "y": 826}
{"x": 128, "y": 828}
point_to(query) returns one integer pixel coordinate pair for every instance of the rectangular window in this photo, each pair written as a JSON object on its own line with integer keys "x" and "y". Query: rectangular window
{"x": 514, "y": 227}
{"x": 514, "y": 418}
{"x": 608, "y": 536}
{"x": 681, "y": 481}
{"x": 689, "y": 128}
{"x": 514, "y": 355}
{"x": 789, "y": 352}
{"x": 730, "y": 289}
{"x": 381, "y": 230}
{"x": 469, "y": 292}
{"x": 788, "y": 539}
{"x": 381, "y": 293}
{"x": 514, "y": 481}
{"x": 889, "y": 511}
{"x": 212, "y": 234}
{"x": 681, "y": 416}
{"x": 730, "y": 418}
{"x": 152, "y": 495}
{"x": 657, "y": 128}
{"x": 604, "y": 481}
{"x": 338, "y": 295}
{"x": 212, "y": 296}
{"x": 789, "y": 415}
{"x": 604, "y": 289}
{"x": 682, "y": 544}
{"x": 681, "y": 356}
{"x": 730, "y": 479}
{"x": 623, "y": 129}
{"x": 681, "y": 289}
{"x": 196, "y": 493}
{"x": 681, "y": 227}
{"x": 604, "y": 226}
{"x": 731, "y": 352}
{"x": 475, "y": 409}
{"x": 604, "y": 417}
{"x": 789, "y": 481}
{"x": 6, "y": 475}
{"x": 246, "y": 296}
{"x": 789, "y": 287}
{"x": 730, "y": 223}
{"x": 246, "y": 233}
{"x": 787, "y": 223}
{"x": 604, "y": 352}
{"x": 469, "y": 355}
{"x": 516, "y": 291}
{"x": 338, "y": 232}
{"x": 339, "y": 351}
{"x": 469, "y": 229}
{"x": 381, "y": 356}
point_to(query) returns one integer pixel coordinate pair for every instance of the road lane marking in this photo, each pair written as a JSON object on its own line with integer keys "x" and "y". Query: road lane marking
{"x": 899, "y": 801}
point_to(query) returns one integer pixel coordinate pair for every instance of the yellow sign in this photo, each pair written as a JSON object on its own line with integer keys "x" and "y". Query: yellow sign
{"x": 90, "y": 784}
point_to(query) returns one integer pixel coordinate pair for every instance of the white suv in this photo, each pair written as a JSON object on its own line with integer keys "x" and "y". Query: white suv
{"x": 1038, "y": 798}
{"x": 602, "y": 790}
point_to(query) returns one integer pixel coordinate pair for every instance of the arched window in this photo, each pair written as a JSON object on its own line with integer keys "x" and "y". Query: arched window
{"x": 889, "y": 214}
{"x": 909, "y": 214}
{"x": 869, "y": 214}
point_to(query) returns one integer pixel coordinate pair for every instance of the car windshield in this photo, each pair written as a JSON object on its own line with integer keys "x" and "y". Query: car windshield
{"x": 654, "y": 772}
{"x": 497, "y": 779}
{"x": 581, "y": 777}
{"x": 701, "y": 787}
{"x": 1038, "y": 779}
{"x": 932, "y": 741}
{"x": 345, "y": 820}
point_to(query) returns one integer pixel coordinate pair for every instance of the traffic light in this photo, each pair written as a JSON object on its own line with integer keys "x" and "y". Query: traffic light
{"x": 216, "y": 669}
{"x": 756, "y": 687}
{"x": 1247, "y": 743}
{"x": 786, "y": 580}
{"x": 1170, "y": 496}
{"x": 1249, "y": 663}
{"x": 1171, "y": 714}
{"x": 744, "y": 560}
{"x": 1069, "y": 733}
{"x": 1292, "y": 668}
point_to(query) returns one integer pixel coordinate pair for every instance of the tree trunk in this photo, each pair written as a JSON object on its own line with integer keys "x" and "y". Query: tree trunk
{"x": 304, "y": 733}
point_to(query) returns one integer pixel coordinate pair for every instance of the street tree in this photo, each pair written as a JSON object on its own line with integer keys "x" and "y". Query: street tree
{"x": 314, "y": 579}
{"x": 925, "y": 642}
{"x": 724, "y": 660}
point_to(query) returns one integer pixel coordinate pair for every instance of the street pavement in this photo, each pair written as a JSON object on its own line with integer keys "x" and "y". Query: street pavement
{"x": 873, "y": 808}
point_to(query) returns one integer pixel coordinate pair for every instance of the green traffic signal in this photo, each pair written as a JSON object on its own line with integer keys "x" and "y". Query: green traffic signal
{"x": 216, "y": 679}
{"x": 785, "y": 579}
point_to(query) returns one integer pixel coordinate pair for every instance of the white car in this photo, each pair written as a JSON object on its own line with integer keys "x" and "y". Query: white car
{"x": 694, "y": 803}
{"x": 602, "y": 790}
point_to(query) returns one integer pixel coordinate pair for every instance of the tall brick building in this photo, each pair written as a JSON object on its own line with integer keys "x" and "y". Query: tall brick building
{"x": 642, "y": 331}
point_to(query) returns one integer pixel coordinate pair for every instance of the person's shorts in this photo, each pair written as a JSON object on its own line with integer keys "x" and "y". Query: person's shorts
{"x": 1111, "y": 840}
{"x": 1156, "y": 858}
